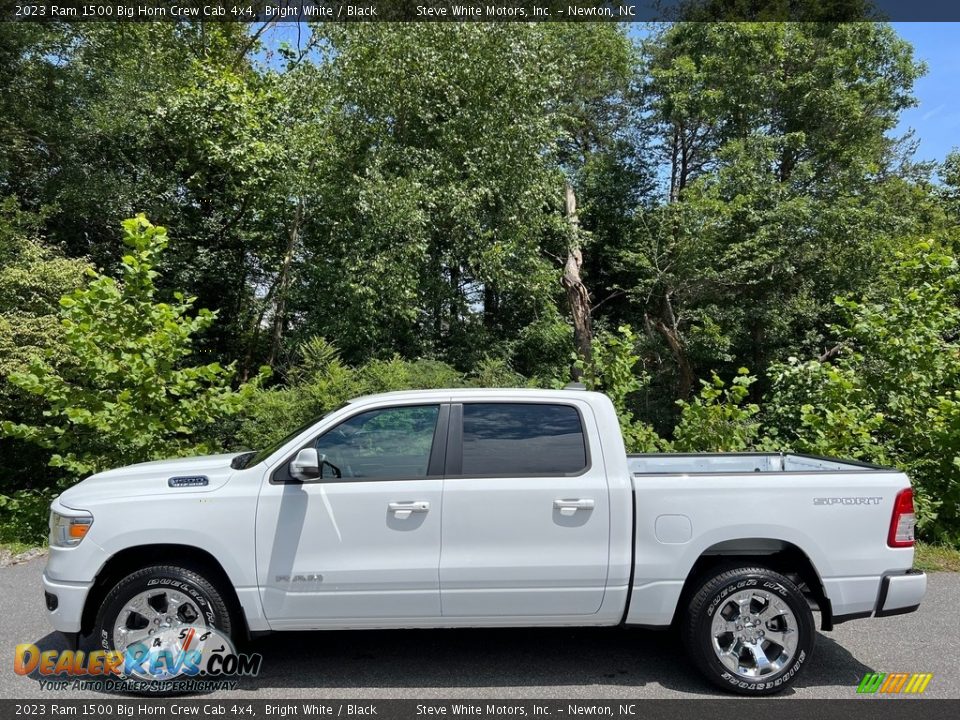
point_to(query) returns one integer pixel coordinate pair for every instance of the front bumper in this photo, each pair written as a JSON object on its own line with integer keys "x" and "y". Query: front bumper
{"x": 900, "y": 594}
{"x": 65, "y": 601}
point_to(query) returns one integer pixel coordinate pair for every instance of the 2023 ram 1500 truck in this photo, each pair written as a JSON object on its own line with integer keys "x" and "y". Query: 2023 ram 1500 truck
{"x": 466, "y": 508}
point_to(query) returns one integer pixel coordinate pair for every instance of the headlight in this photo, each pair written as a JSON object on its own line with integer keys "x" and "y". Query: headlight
{"x": 69, "y": 530}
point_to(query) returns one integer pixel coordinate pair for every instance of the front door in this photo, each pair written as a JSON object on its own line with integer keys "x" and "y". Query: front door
{"x": 363, "y": 546}
{"x": 526, "y": 518}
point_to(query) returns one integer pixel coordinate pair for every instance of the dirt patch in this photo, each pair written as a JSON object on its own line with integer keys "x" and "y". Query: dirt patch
{"x": 9, "y": 557}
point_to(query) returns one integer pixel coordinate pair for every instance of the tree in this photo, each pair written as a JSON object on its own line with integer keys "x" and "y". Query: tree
{"x": 888, "y": 390}
{"x": 123, "y": 392}
{"x": 594, "y": 64}
{"x": 33, "y": 277}
{"x": 777, "y": 193}
{"x": 434, "y": 195}
{"x": 171, "y": 119}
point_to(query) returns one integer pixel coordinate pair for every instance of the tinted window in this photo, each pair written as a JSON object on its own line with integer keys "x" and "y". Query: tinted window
{"x": 522, "y": 439}
{"x": 384, "y": 443}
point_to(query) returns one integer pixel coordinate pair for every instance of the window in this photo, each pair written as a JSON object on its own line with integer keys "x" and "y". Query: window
{"x": 383, "y": 443}
{"x": 513, "y": 439}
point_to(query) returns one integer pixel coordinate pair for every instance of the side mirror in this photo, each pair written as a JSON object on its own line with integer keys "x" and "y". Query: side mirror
{"x": 306, "y": 466}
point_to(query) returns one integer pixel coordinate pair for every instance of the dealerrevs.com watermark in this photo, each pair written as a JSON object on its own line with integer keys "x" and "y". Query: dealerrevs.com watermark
{"x": 139, "y": 686}
{"x": 168, "y": 660}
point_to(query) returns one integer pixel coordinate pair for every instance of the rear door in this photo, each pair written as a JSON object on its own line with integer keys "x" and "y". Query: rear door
{"x": 526, "y": 521}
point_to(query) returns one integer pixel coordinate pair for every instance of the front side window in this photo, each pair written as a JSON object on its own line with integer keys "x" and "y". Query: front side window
{"x": 514, "y": 439}
{"x": 383, "y": 443}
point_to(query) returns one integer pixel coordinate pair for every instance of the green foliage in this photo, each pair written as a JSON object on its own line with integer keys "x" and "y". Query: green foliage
{"x": 125, "y": 394}
{"x": 890, "y": 394}
{"x": 614, "y": 370}
{"x": 33, "y": 277}
{"x": 437, "y": 180}
{"x": 397, "y": 190}
{"x": 496, "y": 373}
{"x": 32, "y": 280}
{"x": 822, "y": 409}
{"x": 24, "y": 516}
{"x": 720, "y": 419}
{"x": 397, "y": 374}
{"x": 323, "y": 382}
{"x": 771, "y": 137}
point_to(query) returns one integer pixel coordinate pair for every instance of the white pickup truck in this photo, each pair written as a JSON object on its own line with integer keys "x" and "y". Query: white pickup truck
{"x": 467, "y": 508}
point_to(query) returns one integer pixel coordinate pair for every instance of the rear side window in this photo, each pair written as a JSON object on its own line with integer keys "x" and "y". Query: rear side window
{"x": 512, "y": 439}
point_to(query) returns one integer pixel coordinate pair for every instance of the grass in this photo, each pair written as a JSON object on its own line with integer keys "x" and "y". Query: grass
{"x": 936, "y": 558}
{"x": 14, "y": 552}
{"x": 15, "y": 548}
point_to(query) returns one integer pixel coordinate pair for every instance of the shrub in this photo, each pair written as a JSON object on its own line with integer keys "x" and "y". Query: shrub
{"x": 889, "y": 393}
{"x": 24, "y": 516}
{"x": 719, "y": 419}
{"x": 126, "y": 394}
{"x": 615, "y": 369}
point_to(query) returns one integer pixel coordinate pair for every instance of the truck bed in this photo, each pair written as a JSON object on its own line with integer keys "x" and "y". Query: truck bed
{"x": 834, "y": 514}
{"x": 739, "y": 463}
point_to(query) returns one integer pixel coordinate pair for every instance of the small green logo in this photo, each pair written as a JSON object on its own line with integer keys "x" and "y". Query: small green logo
{"x": 892, "y": 683}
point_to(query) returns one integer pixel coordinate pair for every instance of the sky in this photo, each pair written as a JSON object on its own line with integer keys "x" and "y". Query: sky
{"x": 936, "y": 118}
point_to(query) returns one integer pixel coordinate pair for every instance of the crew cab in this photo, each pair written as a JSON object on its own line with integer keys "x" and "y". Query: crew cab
{"x": 488, "y": 508}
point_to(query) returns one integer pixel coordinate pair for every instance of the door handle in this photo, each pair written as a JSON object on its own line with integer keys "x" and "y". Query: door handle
{"x": 403, "y": 510}
{"x": 569, "y": 507}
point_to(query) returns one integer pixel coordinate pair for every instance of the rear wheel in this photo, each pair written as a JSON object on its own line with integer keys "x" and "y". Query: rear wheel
{"x": 749, "y": 630}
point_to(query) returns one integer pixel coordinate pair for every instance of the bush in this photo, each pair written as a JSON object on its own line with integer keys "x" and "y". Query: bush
{"x": 720, "y": 419}
{"x": 823, "y": 409}
{"x": 24, "y": 516}
{"x": 323, "y": 382}
{"x": 615, "y": 369}
{"x": 126, "y": 394}
{"x": 890, "y": 394}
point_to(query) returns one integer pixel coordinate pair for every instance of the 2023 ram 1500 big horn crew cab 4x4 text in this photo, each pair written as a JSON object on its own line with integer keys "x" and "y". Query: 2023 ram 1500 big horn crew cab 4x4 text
{"x": 466, "y": 508}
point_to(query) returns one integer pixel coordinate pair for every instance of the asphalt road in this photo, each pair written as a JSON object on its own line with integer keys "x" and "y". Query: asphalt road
{"x": 605, "y": 663}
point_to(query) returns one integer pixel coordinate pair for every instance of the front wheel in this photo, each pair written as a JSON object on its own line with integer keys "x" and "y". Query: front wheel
{"x": 749, "y": 630}
{"x": 159, "y": 619}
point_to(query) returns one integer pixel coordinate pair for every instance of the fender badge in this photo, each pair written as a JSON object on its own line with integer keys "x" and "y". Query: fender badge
{"x": 191, "y": 481}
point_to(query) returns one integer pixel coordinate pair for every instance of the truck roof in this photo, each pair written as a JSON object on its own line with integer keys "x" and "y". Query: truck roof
{"x": 471, "y": 393}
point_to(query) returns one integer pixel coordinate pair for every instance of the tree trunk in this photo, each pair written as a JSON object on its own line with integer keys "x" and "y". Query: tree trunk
{"x": 577, "y": 294}
{"x": 670, "y": 331}
{"x": 254, "y": 332}
{"x": 283, "y": 284}
{"x": 685, "y": 379}
{"x": 669, "y": 328}
{"x": 491, "y": 306}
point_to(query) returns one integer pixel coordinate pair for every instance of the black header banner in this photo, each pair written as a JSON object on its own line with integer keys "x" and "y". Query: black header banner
{"x": 477, "y": 10}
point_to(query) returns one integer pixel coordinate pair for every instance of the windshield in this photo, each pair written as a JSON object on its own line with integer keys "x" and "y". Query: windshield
{"x": 255, "y": 457}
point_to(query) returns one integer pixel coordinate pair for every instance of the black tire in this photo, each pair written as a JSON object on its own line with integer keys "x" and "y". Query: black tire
{"x": 696, "y": 628}
{"x": 203, "y": 593}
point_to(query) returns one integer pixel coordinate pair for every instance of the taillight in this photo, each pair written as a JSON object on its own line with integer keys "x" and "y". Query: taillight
{"x": 903, "y": 520}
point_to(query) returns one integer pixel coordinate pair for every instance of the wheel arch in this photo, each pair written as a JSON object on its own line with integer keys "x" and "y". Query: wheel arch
{"x": 137, "y": 557}
{"x": 779, "y": 555}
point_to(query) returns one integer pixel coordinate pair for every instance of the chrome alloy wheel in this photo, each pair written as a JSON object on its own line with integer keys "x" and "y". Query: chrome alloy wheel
{"x": 155, "y": 618}
{"x": 754, "y": 634}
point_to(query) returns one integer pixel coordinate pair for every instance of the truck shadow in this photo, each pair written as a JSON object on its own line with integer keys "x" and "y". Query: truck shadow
{"x": 602, "y": 662}
{"x": 435, "y": 663}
